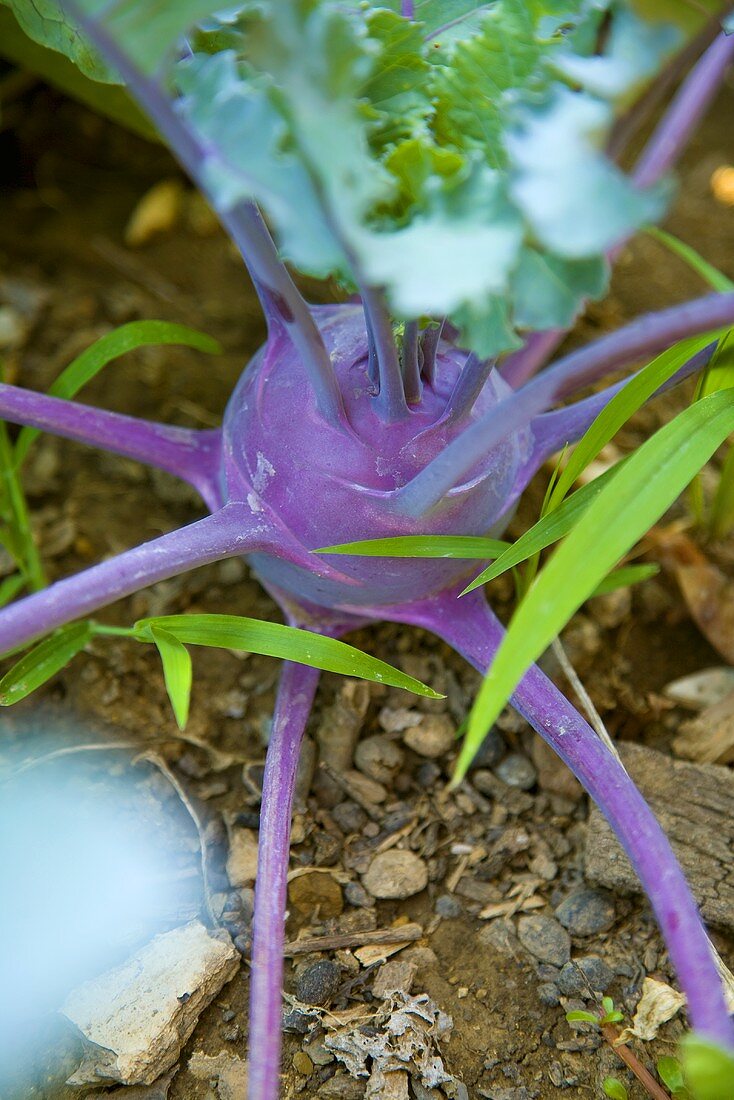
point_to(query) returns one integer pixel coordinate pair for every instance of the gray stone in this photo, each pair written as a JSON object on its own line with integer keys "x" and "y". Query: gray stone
{"x": 379, "y": 758}
{"x": 396, "y": 873}
{"x": 447, "y": 906}
{"x": 586, "y": 912}
{"x": 490, "y": 752}
{"x": 544, "y": 938}
{"x": 548, "y": 994}
{"x": 317, "y": 984}
{"x": 517, "y": 771}
{"x": 585, "y": 974}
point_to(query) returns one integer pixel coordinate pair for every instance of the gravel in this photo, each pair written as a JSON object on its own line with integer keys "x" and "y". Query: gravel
{"x": 544, "y": 938}
{"x": 318, "y": 983}
{"x": 581, "y": 975}
{"x": 586, "y": 912}
{"x": 517, "y": 771}
{"x": 396, "y": 874}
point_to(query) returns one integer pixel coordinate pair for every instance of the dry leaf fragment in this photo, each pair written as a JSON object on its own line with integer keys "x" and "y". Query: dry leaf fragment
{"x": 658, "y": 1004}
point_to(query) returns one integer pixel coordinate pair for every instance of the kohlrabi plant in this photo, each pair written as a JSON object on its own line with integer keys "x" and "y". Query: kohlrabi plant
{"x": 447, "y": 164}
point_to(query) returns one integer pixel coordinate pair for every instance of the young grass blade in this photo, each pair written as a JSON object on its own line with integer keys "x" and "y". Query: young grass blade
{"x": 287, "y": 642}
{"x": 547, "y": 530}
{"x": 695, "y": 260}
{"x": 630, "y": 398}
{"x": 624, "y": 577}
{"x": 177, "y": 672}
{"x": 638, "y": 494}
{"x": 421, "y": 546}
{"x": 128, "y": 337}
{"x": 722, "y": 506}
{"x": 43, "y": 662}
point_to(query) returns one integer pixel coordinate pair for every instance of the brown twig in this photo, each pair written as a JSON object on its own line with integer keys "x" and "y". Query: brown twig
{"x": 633, "y": 1063}
{"x": 406, "y": 933}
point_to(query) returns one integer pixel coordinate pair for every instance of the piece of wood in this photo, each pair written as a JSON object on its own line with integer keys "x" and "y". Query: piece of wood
{"x": 404, "y": 933}
{"x": 694, "y": 803}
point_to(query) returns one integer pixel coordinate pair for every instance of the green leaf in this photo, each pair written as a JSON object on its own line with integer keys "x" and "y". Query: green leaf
{"x": 147, "y": 31}
{"x": 176, "y": 671}
{"x": 614, "y": 1089}
{"x": 547, "y": 530}
{"x": 421, "y": 546}
{"x": 708, "y": 1068}
{"x": 287, "y": 642}
{"x": 580, "y": 1016}
{"x": 695, "y": 260}
{"x": 43, "y": 662}
{"x": 722, "y": 506}
{"x": 624, "y": 577}
{"x": 670, "y": 1073}
{"x": 128, "y": 337}
{"x": 46, "y": 22}
{"x": 618, "y": 411}
{"x": 10, "y": 587}
{"x": 56, "y": 69}
{"x": 547, "y": 288}
{"x": 637, "y": 495}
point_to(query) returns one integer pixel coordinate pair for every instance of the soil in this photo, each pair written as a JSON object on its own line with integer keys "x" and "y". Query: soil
{"x": 71, "y": 183}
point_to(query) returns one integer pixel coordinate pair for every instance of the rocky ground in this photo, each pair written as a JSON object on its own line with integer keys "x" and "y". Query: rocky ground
{"x": 448, "y": 933}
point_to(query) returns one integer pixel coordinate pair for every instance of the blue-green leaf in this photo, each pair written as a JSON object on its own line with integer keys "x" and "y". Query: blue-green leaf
{"x": 708, "y": 1068}
{"x": 421, "y": 546}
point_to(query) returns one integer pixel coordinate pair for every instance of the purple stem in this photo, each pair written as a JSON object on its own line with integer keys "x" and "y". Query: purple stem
{"x": 688, "y": 106}
{"x": 429, "y": 346}
{"x": 473, "y": 630}
{"x": 233, "y": 530}
{"x": 373, "y": 366}
{"x": 391, "y": 398}
{"x": 469, "y": 385}
{"x": 659, "y": 155}
{"x": 277, "y": 291}
{"x": 193, "y": 456}
{"x": 553, "y": 430}
{"x": 535, "y": 353}
{"x": 411, "y": 368}
{"x": 407, "y": 9}
{"x": 645, "y": 336}
{"x": 295, "y": 697}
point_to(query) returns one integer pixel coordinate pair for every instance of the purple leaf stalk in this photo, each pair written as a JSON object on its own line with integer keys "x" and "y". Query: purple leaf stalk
{"x": 330, "y": 438}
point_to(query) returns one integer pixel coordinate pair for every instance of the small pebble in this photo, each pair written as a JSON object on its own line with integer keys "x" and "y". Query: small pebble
{"x": 350, "y": 817}
{"x": 586, "y": 912}
{"x": 548, "y": 994}
{"x": 578, "y": 976}
{"x": 379, "y": 758}
{"x": 432, "y": 737}
{"x": 428, "y": 774}
{"x": 318, "y": 983}
{"x": 517, "y": 771}
{"x": 356, "y": 895}
{"x": 396, "y": 874}
{"x": 447, "y": 906}
{"x": 544, "y": 938}
{"x": 316, "y": 891}
{"x": 490, "y": 752}
{"x": 302, "y": 1064}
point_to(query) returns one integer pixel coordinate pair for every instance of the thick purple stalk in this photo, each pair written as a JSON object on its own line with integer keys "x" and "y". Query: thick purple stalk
{"x": 535, "y": 353}
{"x": 411, "y": 368}
{"x": 689, "y": 105}
{"x": 194, "y": 456}
{"x": 429, "y": 346}
{"x": 661, "y": 152}
{"x": 295, "y": 697}
{"x": 641, "y": 338}
{"x": 469, "y": 385}
{"x": 469, "y": 626}
{"x": 407, "y": 9}
{"x": 280, "y": 299}
{"x": 391, "y": 399}
{"x": 553, "y": 430}
{"x": 234, "y": 530}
